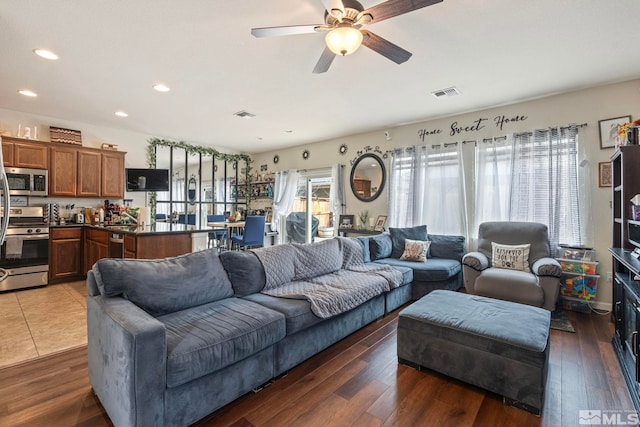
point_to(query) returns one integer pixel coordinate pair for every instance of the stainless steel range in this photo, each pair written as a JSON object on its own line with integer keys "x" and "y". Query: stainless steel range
{"x": 25, "y": 252}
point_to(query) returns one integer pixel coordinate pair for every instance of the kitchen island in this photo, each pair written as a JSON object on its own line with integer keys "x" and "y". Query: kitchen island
{"x": 74, "y": 248}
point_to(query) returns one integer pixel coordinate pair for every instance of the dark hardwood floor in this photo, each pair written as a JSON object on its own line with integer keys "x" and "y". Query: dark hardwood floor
{"x": 356, "y": 382}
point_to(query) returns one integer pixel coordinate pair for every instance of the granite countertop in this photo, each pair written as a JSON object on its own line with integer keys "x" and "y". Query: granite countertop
{"x": 156, "y": 228}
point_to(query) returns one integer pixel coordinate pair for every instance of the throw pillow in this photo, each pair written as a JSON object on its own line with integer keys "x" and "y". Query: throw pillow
{"x": 514, "y": 257}
{"x": 380, "y": 246}
{"x": 415, "y": 250}
{"x": 399, "y": 235}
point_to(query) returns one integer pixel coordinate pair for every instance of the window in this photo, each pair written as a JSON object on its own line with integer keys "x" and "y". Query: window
{"x": 427, "y": 187}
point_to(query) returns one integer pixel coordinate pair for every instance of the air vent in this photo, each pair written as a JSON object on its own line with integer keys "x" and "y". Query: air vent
{"x": 244, "y": 114}
{"x": 451, "y": 91}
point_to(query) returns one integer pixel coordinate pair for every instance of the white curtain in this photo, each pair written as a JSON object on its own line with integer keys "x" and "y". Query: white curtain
{"x": 284, "y": 193}
{"x": 545, "y": 183}
{"x": 427, "y": 187}
{"x": 533, "y": 176}
{"x": 336, "y": 194}
{"x": 493, "y": 179}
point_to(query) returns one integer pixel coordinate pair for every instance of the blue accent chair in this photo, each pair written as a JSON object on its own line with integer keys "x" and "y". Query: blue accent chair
{"x": 253, "y": 233}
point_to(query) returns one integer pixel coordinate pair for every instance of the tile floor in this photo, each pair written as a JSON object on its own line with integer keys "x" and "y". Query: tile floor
{"x": 41, "y": 321}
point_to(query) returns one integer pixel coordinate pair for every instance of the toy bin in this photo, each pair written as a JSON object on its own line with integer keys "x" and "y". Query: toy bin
{"x": 577, "y": 266}
{"x": 580, "y": 286}
{"x": 578, "y": 254}
{"x": 575, "y": 304}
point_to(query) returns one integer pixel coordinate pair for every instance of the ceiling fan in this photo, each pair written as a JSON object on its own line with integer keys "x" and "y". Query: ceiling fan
{"x": 344, "y": 20}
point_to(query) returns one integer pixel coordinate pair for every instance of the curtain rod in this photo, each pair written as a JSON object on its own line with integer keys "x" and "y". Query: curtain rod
{"x": 316, "y": 169}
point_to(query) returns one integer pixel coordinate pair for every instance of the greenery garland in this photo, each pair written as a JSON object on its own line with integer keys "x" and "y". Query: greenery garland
{"x": 193, "y": 150}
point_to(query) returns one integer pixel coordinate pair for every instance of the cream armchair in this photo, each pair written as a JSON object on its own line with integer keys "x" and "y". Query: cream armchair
{"x": 539, "y": 287}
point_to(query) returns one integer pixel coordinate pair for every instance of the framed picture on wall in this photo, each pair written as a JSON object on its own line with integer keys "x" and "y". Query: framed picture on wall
{"x": 346, "y": 221}
{"x": 605, "y": 178}
{"x": 380, "y": 223}
{"x": 609, "y": 130}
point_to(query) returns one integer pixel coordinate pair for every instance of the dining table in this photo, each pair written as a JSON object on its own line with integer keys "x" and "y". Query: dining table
{"x": 228, "y": 226}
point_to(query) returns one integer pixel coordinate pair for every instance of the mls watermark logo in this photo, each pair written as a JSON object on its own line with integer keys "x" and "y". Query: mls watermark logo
{"x": 590, "y": 417}
{"x": 607, "y": 418}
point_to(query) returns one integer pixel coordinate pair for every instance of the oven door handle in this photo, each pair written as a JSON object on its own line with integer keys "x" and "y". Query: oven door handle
{"x": 30, "y": 236}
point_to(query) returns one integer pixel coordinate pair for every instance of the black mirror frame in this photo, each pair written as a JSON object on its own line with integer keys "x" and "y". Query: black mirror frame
{"x": 381, "y": 186}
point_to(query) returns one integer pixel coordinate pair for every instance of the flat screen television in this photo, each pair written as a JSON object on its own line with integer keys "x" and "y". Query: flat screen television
{"x": 147, "y": 179}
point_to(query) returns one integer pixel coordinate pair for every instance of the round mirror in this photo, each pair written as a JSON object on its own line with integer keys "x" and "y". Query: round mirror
{"x": 367, "y": 177}
{"x": 192, "y": 191}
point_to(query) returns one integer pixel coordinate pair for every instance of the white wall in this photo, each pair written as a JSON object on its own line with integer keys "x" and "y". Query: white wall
{"x": 584, "y": 106}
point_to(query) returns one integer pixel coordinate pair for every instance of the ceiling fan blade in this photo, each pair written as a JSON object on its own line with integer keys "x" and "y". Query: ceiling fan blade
{"x": 287, "y": 31}
{"x": 385, "y": 48}
{"x": 391, "y": 8}
{"x": 335, "y": 8}
{"x": 324, "y": 62}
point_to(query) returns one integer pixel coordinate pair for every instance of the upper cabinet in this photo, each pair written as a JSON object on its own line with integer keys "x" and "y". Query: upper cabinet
{"x": 89, "y": 173}
{"x": 86, "y": 172}
{"x": 112, "y": 179}
{"x": 22, "y": 153}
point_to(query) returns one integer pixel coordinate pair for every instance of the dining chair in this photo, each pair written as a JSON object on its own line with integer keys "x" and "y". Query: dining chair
{"x": 187, "y": 219}
{"x": 161, "y": 217}
{"x": 218, "y": 236}
{"x": 253, "y": 233}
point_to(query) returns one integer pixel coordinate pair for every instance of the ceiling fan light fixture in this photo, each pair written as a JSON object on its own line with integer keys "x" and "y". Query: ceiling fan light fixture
{"x": 344, "y": 40}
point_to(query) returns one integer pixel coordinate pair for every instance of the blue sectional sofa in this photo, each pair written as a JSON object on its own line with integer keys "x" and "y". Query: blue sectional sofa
{"x": 172, "y": 340}
{"x": 443, "y": 269}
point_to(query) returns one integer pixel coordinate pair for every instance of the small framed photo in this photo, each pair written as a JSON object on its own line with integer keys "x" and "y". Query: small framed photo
{"x": 346, "y": 221}
{"x": 380, "y": 223}
{"x": 605, "y": 178}
{"x": 609, "y": 130}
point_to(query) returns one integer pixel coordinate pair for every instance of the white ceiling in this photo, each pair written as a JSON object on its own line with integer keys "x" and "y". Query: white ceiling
{"x": 112, "y": 52}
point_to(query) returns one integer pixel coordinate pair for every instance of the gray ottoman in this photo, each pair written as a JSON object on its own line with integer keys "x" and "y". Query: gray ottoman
{"x": 497, "y": 345}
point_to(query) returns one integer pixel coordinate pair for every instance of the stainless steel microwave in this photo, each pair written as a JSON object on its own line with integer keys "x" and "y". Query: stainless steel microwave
{"x": 27, "y": 182}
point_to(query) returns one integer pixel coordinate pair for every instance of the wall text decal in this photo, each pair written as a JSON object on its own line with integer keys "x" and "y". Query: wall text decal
{"x": 474, "y": 126}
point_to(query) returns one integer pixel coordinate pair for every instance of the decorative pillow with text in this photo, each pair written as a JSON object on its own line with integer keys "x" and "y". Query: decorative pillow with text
{"x": 415, "y": 250}
{"x": 514, "y": 257}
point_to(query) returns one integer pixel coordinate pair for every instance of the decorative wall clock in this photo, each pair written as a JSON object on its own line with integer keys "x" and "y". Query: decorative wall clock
{"x": 276, "y": 159}
{"x": 343, "y": 149}
{"x": 305, "y": 154}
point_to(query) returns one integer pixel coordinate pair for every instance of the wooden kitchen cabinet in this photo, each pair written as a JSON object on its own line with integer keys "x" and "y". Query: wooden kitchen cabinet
{"x": 63, "y": 167}
{"x": 86, "y": 172}
{"x": 89, "y": 173}
{"x": 112, "y": 179}
{"x": 23, "y": 153}
{"x": 96, "y": 246}
{"x": 65, "y": 254}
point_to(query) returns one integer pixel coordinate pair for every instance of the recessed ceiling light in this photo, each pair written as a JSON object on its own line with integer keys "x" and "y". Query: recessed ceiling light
{"x": 47, "y": 54}
{"x": 161, "y": 87}
{"x": 27, "y": 92}
{"x": 259, "y": 138}
{"x": 121, "y": 114}
{"x": 288, "y": 131}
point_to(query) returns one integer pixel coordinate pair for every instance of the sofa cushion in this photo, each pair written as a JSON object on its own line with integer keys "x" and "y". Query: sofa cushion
{"x": 244, "y": 270}
{"x": 380, "y": 246}
{"x": 316, "y": 259}
{"x": 165, "y": 285}
{"x": 415, "y": 250}
{"x": 399, "y": 235}
{"x": 434, "y": 270}
{"x": 205, "y": 339}
{"x": 297, "y": 312}
{"x": 278, "y": 264}
{"x": 445, "y": 246}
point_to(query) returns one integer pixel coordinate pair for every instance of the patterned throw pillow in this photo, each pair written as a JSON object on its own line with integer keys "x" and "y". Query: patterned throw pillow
{"x": 415, "y": 250}
{"x": 514, "y": 257}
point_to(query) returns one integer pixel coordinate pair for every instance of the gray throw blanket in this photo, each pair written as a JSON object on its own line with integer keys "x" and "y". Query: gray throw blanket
{"x": 334, "y": 292}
